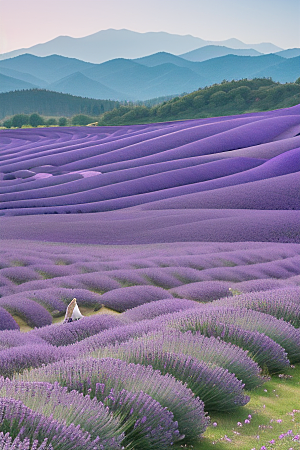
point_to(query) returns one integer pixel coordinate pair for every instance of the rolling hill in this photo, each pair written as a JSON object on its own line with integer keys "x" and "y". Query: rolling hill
{"x": 214, "y": 51}
{"x": 197, "y": 179}
{"x": 157, "y": 75}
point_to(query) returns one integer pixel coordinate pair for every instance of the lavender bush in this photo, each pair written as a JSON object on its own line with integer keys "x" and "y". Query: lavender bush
{"x": 52, "y": 400}
{"x": 280, "y": 331}
{"x": 8, "y": 443}
{"x": 7, "y": 322}
{"x": 268, "y": 354}
{"x": 33, "y": 313}
{"x": 275, "y": 303}
{"x": 16, "y": 359}
{"x": 210, "y": 350}
{"x": 219, "y": 389}
{"x": 69, "y": 333}
{"x": 22, "y": 422}
{"x": 98, "y": 376}
{"x": 146, "y": 423}
{"x": 157, "y": 308}
{"x": 129, "y": 297}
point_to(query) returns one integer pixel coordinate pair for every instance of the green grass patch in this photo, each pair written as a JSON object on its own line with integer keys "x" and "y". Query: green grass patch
{"x": 273, "y": 414}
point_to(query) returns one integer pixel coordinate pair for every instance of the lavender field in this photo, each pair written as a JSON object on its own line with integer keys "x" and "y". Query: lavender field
{"x": 181, "y": 243}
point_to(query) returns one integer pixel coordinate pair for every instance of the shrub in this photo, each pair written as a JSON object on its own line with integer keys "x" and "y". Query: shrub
{"x": 99, "y": 376}
{"x": 219, "y": 389}
{"x": 35, "y": 120}
{"x": 19, "y": 120}
{"x": 62, "y": 121}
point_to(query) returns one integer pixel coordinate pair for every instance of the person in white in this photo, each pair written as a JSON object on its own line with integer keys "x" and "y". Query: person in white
{"x": 73, "y": 313}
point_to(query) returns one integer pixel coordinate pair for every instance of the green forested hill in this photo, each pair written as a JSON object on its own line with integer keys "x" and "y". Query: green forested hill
{"x": 48, "y": 103}
{"x": 227, "y": 98}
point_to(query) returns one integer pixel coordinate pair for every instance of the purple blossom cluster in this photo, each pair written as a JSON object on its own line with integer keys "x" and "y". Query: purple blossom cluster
{"x": 7, "y": 322}
{"x": 22, "y": 422}
{"x": 70, "y": 333}
{"x": 207, "y": 349}
{"x": 280, "y": 331}
{"x": 157, "y": 308}
{"x": 126, "y": 298}
{"x": 97, "y": 377}
{"x": 280, "y": 303}
{"x": 8, "y": 443}
{"x": 53, "y": 400}
{"x": 219, "y": 389}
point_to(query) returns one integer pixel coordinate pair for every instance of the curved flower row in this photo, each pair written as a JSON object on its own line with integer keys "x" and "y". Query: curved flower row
{"x": 98, "y": 376}
{"x": 219, "y": 389}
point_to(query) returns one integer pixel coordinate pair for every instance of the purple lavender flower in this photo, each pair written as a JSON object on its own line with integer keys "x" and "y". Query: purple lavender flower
{"x": 218, "y": 389}
{"x": 7, "y": 322}
{"x": 117, "y": 375}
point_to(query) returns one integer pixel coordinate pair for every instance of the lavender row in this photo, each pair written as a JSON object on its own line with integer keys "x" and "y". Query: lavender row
{"x": 279, "y": 331}
{"x": 219, "y": 389}
{"x": 22, "y": 422}
{"x": 99, "y": 376}
{"x": 158, "y": 308}
{"x": 52, "y": 400}
{"x": 7, "y": 322}
{"x": 70, "y": 333}
{"x": 280, "y": 303}
{"x": 270, "y": 356}
{"x": 209, "y": 350}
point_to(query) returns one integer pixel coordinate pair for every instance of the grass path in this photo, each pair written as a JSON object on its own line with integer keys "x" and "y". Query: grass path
{"x": 274, "y": 416}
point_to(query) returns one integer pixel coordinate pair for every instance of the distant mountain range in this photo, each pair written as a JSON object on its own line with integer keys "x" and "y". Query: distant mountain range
{"x": 111, "y": 44}
{"x": 157, "y": 75}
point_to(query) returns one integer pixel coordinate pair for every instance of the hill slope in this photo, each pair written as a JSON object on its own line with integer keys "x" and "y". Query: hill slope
{"x": 49, "y": 103}
{"x": 178, "y": 180}
{"x": 158, "y": 75}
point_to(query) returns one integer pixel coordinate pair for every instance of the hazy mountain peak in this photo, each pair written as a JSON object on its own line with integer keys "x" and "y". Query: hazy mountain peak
{"x": 109, "y": 44}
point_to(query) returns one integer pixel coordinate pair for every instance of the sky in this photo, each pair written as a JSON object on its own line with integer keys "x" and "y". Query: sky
{"x": 24, "y": 23}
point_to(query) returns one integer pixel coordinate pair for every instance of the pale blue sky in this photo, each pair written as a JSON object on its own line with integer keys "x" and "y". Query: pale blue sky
{"x": 24, "y": 23}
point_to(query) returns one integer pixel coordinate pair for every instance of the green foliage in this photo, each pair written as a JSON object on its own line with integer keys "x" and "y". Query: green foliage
{"x": 81, "y": 119}
{"x": 48, "y": 103}
{"x": 7, "y": 123}
{"x": 35, "y": 120}
{"x": 227, "y": 98}
{"x": 62, "y": 121}
{"x": 51, "y": 122}
{"x": 19, "y": 120}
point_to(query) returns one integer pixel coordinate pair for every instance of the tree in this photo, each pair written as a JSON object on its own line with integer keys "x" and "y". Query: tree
{"x": 218, "y": 98}
{"x": 62, "y": 122}
{"x": 35, "y": 120}
{"x": 19, "y": 120}
{"x": 81, "y": 119}
{"x": 51, "y": 121}
{"x": 7, "y": 123}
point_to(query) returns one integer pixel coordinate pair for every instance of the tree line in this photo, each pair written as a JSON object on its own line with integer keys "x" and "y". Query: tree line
{"x": 48, "y": 103}
{"x": 226, "y": 98}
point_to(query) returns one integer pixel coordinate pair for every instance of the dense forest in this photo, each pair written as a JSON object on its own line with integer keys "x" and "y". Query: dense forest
{"x": 226, "y": 98}
{"x": 48, "y": 103}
